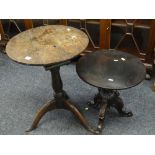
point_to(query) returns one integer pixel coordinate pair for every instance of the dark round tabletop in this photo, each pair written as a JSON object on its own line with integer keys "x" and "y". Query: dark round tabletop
{"x": 111, "y": 69}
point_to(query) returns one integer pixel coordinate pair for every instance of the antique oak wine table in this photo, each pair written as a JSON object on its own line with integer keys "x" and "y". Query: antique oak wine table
{"x": 50, "y": 46}
{"x": 109, "y": 71}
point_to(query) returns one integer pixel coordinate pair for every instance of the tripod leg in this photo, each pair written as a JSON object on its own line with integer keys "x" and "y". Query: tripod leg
{"x": 117, "y": 103}
{"x": 42, "y": 111}
{"x": 71, "y": 107}
{"x": 102, "y": 112}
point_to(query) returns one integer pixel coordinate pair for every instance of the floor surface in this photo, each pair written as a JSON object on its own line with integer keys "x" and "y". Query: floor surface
{"x": 23, "y": 89}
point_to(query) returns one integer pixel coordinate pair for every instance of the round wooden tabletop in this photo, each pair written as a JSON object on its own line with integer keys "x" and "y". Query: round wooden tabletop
{"x": 47, "y": 45}
{"x": 111, "y": 69}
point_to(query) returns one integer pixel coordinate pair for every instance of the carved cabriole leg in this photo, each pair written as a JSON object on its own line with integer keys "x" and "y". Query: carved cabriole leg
{"x": 102, "y": 113}
{"x": 97, "y": 101}
{"x": 101, "y": 101}
{"x": 117, "y": 103}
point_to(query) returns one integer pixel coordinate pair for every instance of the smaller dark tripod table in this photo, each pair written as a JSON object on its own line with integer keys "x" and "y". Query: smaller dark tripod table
{"x": 109, "y": 71}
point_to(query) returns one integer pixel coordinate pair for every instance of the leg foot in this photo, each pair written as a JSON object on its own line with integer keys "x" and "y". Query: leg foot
{"x": 71, "y": 107}
{"x": 42, "y": 111}
{"x": 102, "y": 112}
{"x": 117, "y": 103}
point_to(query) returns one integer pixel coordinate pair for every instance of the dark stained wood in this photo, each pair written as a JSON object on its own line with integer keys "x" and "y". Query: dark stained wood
{"x": 63, "y": 22}
{"x": 102, "y": 112}
{"x": 1, "y": 30}
{"x": 71, "y": 107}
{"x": 4, "y": 38}
{"x": 104, "y": 33}
{"x": 106, "y": 99}
{"x": 147, "y": 54}
{"x": 28, "y": 23}
{"x": 40, "y": 113}
{"x": 61, "y": 101}
{"x": 151, "y": 44}
{"x": 121, "y": 71}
